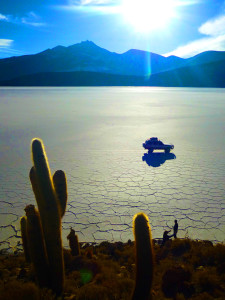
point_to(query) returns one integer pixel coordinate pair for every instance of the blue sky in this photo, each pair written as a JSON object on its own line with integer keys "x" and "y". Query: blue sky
{"x": 190, "y": 27}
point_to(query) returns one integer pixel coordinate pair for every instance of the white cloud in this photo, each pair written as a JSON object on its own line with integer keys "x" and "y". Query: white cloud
{"x": 6, "y": 49}
{"x": 198, "y": 46}
{"x": 5, "y": 43}
{"x": 106, "y": 6}
{"x": 94, "y": 2}
{"x": 118, "y": 2}
{"x": 90, "y": 2}
{"x": 213, "y": 27}
{"x": 214, "y": 31}
{"x": 35, "y": 24}
{"x": 32, "y": 19}
{"x": 92, "y": 6}
{"x": 3, "y": 18}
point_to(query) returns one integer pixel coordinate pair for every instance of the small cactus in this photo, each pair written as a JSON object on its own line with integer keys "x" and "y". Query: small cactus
{"x": 144, "y": 257}
{"x": 36, "y": 246}
{"x": 23, "y": 227}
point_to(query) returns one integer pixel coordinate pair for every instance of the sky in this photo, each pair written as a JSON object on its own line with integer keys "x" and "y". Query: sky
{"x": 168, "y": 27}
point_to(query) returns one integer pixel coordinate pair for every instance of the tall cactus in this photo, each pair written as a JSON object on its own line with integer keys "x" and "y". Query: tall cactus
{"x": 36, "y": 245}
{"x": 50, "y": 213}
{"x": 144, "y": 257}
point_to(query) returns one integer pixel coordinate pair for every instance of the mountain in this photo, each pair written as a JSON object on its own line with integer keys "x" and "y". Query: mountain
{"x": 86, "y": 56}
{"x": 210, "y": 74}
{"x": 86, "y": 64}
{"x": 206, "y": 57}
{"x": 143, "y": 63}
{"x": 204, "y": 75}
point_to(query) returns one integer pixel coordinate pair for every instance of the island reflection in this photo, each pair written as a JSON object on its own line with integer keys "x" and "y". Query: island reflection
{"x": 157, "y": 159}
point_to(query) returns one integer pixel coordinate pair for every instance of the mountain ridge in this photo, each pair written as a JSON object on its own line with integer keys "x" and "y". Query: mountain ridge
{"x": 88, "y": 57}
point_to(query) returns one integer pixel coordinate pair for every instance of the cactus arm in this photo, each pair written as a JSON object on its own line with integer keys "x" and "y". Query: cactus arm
{"x": 34, "y": 184}
{"x": 144, "y": 257}
{"x": 23, "y": 227}
{"x": 36, "y": 246}
{"x": 59, "y": 181}
{"x": 49, "y": 208}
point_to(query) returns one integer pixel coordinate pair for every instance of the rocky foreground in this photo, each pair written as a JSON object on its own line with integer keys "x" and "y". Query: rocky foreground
{"x": 184, "y": 269}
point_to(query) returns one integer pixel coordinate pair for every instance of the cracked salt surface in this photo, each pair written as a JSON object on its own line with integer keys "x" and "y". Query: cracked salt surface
{"x": 95, "y": 136}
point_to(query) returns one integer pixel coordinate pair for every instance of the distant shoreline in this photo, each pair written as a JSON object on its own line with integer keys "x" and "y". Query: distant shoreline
{"x": 181, "y": 78}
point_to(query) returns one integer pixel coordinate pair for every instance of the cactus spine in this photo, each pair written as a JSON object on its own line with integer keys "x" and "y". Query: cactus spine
{"x": 36, "y": 246}
{"x": 50, "y": 214}
{"x": 23, "y": 227}
{"x": 144, "y": 257}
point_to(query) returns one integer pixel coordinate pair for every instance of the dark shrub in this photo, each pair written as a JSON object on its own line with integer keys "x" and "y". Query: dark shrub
{"x": 179, "y": 247}
{"x": 176, "y": 280}
{"x": 15, "y": 290}
{"x": 206, "y": 281}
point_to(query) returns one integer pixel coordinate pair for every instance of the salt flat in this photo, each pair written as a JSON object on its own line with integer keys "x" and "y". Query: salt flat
{"x": 95, "y": 135}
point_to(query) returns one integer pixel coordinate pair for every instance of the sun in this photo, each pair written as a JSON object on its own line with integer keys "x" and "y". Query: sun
{"x": 148, "y": 15}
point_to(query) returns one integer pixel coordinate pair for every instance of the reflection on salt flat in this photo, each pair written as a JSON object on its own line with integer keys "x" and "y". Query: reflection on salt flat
{"x": 157, "y": 159}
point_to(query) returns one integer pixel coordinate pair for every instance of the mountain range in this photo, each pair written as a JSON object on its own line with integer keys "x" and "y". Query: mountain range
{"x": 86, "y": 64}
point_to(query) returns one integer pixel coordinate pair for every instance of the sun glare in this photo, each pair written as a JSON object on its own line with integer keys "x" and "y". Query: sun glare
{"x": 148, "y": 15}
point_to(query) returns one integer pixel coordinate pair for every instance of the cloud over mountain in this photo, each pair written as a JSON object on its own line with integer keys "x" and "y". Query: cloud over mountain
{"x": 214, "y": 39}
{"x": 214, "y": 27}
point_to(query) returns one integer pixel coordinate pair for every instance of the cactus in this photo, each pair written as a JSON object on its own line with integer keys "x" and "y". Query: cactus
{"x": 73, "y": 242}
{"x": 23, "y": 227}
{"x": 59, "y": 180}
{"x": 50, "y": 213}
{"x": 144, "y": 257}
{"x": 36, "y": 245}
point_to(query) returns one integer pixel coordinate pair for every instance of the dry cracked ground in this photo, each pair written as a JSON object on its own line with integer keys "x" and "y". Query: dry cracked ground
{"x": 106, "y": 188}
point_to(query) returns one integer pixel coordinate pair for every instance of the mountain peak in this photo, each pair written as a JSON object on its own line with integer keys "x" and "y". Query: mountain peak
{"x": 137, "y": 52}
{"x": 58, "y": 48}
{"x": 85, "y": 44}
{"x": 134, "y": 51}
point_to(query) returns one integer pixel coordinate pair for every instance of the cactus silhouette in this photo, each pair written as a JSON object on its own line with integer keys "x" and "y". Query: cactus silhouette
{"x": 36, "y": 245}
{"x": 73, "y": 242}
{"x": 144, "y": 257}
{"x": 51, "y": 210}
{"x": 23, "y": 227}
